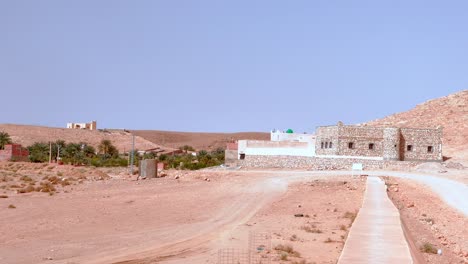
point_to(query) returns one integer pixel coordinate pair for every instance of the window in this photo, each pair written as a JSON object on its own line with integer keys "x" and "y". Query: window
{"x": 430, "y": 149}
{"x": 326, "y": 144}
{"x": 371, "y": 146}
{"x": 322, "y": 144}
{"x": 409, "y": 148}
{"x": 330, "y": 145}
{"x": 242, "y": 156}
{"x": 350, "y": 145}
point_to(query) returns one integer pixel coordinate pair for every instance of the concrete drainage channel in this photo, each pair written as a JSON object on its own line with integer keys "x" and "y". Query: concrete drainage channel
{"x": 376, "y": 235}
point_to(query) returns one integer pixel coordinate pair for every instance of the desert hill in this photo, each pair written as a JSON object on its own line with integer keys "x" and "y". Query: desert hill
{"x": 450, "y": 112}
{"x": 28, "y": 135}
{"x": 198, "y": 140}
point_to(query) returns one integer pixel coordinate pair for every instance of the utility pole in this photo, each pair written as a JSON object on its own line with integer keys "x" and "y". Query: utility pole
{"x": 50, "y": 152}
{"x": 133, "y": 153}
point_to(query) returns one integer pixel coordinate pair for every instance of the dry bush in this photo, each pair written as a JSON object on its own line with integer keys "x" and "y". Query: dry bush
{"x": 46, "y": 187}
{"x": 65, "y": 182}
{"x": 289, "y": 250}
{"x": 28, "y": 189}
{"x": 293, "y": 238}
{"x": 351, "y": 216}
{"x": 428, "y": 248}
{"x": 311, "y": 229}
{"x": 26, "y": 178}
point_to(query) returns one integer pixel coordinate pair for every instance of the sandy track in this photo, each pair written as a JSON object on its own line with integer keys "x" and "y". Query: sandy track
{"x": 157, "y": 220}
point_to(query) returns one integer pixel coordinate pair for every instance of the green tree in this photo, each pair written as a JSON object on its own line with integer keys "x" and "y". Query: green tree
{"x": 106, "y": 149}
{"x": 39, "y": 152}
{"x": 88, "y": 151}
{"x": 187, "y": 148}
{"x": 73, "y": 154}
{"x": 4, "y": 139}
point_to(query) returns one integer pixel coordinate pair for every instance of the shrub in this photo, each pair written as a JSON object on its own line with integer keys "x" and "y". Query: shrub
{"x": 3, "y": 196}
{"x": 351, "y": 216}
{"x": 329, "y": 240}
{"x": 343, "y": 227}
{"x": 11, "y": 206}
{"x": 428, "y": 248}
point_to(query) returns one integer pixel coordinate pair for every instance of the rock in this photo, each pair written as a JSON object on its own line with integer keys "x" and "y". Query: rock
{"x": 299, "y": 206}
{"x": 409, "y": 205}
{"x": 395, "y": 189}
{"x": 444, "y": 243}
{"x": 299, "y": 215}
{"x": 176, "y": 177}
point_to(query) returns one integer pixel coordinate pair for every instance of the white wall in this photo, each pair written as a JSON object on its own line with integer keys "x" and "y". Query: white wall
{"x": 276, "y": 135}
{"x": 274, "y": 148}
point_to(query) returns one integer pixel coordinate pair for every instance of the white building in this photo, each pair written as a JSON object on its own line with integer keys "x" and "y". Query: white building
{"x": 282, "y": 143}
{"x": 89, "y": 126}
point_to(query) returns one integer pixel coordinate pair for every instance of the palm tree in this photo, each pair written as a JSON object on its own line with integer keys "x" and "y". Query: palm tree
{"x": 4, "y": 139}
{"x": 104, "y": 146}
{"x": 107, "y": 149}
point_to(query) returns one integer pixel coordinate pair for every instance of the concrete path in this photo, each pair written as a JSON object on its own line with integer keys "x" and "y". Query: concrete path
{"x": 376, "y": 235}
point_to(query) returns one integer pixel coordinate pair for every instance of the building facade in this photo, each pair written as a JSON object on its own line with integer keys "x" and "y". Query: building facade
{"x": 380, "y": 143}
{"x": 340, "y": 142}
{"x": 89, "y": 126}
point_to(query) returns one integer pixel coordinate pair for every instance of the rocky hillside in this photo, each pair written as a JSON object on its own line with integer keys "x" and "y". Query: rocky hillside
{"x": 450, "y": 112}
{"x": 27, "y": 135}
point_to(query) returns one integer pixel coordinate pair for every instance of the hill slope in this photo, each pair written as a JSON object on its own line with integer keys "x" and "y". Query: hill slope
{"x": 450, "y": 112}
{"x": 208, "y": 141}
{"x": 27, "y": 135}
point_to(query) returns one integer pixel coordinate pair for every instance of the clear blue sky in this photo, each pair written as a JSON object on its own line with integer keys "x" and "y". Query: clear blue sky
{"x": 226, "y": 65}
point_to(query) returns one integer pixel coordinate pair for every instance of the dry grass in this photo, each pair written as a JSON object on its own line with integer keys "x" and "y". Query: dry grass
{"x": 311, "y": 229}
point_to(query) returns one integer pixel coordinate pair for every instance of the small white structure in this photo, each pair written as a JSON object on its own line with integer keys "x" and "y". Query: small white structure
{"x": 281, "y": 144}
{"x": 89, "y": 126}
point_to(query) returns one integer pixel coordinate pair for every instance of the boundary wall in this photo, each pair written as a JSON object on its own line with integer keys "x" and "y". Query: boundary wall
{"x": 315, "y": 163}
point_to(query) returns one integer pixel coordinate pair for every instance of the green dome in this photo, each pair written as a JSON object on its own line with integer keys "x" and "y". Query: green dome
{"x": 290, "y": 131}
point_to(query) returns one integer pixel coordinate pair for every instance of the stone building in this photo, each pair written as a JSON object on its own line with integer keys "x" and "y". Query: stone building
{"x": 380, "y": 143}
{"x": 339, "y": 146}
{"x": 89, "y": 126}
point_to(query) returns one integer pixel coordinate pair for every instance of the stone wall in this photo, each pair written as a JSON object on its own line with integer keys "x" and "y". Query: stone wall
{"x": 230, "y": 156}
{"x": 407, "y": 144}
{"x": 420, "y": 140}
{"x": 324, "y": 136}
{"x": 314, "y": 163}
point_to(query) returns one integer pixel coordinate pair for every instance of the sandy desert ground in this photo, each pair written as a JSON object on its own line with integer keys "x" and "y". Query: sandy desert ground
{"x": 198, "y": 217}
